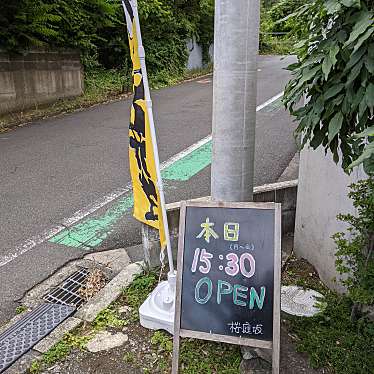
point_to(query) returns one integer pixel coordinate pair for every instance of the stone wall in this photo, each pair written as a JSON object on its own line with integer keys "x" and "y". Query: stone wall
{"x": 38, "y": 77}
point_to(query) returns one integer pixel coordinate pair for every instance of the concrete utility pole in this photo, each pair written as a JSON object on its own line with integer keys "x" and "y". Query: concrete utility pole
{"x": 236, "y": 39}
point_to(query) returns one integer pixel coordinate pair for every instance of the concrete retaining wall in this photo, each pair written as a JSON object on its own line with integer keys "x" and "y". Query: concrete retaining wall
{"x": 38, "y": 77}
{"x": 322, "y": 195}
{"x": 195, "y": 55}
{"x": 282, "y": 192}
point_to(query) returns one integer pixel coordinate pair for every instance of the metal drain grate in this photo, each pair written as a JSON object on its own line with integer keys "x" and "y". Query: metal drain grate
{"x": 68, "y": 292}
{"x": 34, "y": 326}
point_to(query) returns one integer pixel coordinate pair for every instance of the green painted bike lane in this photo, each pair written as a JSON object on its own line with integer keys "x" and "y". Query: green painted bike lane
{"x": 91, "y": 232}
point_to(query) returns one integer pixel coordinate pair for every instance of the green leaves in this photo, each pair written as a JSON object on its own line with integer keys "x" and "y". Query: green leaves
{"x": 367, "y": 156}
{"x": 351, "y": 3}
{"x": 335, "y": 126}
{"x": 369, "y": 95}
{"x": 326, "y": 66}
{"x": 365, "y": 20}
{"x": 364, "y": 37}
{"x": 332, "y": 91}
{"x": 335, "y": 72}
{"x": 332, "y": 6}
{"x": 368, "y": 132}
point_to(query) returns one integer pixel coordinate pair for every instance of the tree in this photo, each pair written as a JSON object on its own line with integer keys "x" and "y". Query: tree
{"x": 335, "y": 73}
{"x": 97, "y": 28}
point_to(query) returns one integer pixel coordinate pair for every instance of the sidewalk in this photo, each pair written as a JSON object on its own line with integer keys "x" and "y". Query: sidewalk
{"x": 119, "y": 344}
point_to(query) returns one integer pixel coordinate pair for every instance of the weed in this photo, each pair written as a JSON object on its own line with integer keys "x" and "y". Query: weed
{"x": 332, "y": 340}
{"x": 198, "y": 356}
{"x": 57, "y": 353}
{"x": 163, "y": 341}
{"x": 108, "y": 318}
{"x": 300, "y": 273}
{"x": 35, "y": 367}
{"x": 163, "y": 364}
{"x": 77, "y": 341}
{"x": 129, "y": 357}
{"x": 60, "y": 351}
{"x": 138, "y": 291}
{"x": 21, "y": 309}
{"x": 165, "y": 78}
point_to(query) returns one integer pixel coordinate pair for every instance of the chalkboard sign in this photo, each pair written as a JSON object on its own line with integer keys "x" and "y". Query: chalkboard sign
{"x": 228, "y": 282}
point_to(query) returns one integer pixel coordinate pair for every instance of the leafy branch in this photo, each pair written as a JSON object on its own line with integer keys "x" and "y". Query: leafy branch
{"x": 335, "y": 76}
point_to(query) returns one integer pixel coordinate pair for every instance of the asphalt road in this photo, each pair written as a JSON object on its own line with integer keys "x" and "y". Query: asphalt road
{"x": 51, "y": 169}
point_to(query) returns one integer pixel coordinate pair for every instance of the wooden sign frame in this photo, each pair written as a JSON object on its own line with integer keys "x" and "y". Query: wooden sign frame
{"x": 178, "y": 332}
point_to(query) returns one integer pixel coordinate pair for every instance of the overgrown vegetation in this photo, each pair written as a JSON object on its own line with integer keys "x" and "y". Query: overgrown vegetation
{"x": 335, "y": 73}
{"x": 97, "y": 28}
{"x": 279, "y": 31}
{"x": 355, "y": 257}
{"x": 333, "y": 340}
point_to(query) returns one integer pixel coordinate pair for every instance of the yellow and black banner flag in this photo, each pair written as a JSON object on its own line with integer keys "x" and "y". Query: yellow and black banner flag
{"x": 147, "y": 207}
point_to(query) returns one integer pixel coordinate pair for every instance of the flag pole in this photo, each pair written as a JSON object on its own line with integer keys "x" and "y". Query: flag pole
{"x": 148, "y": 100}
{"x": 157, "y": 311}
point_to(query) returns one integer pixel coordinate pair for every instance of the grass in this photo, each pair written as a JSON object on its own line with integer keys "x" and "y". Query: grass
{"x": 198, "y": 356}
{"x": 129, "y": 357}
{"x": 60, "y": 351}
{"x": 300, "y": 273}
{"x": 330, "y": 338}
{"x": 100, "y": 86}
{"x": 138, "y": 291}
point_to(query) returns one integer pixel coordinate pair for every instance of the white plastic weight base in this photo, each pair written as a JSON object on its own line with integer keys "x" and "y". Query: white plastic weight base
{"x": 157, "y": 312}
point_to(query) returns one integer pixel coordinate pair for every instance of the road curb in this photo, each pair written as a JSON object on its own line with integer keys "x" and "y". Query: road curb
{"x": 109, "y": 293}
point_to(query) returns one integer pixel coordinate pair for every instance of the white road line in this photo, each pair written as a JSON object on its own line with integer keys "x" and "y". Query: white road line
{"x": 268, "y": 102}
{"x": 100, "y": 203}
